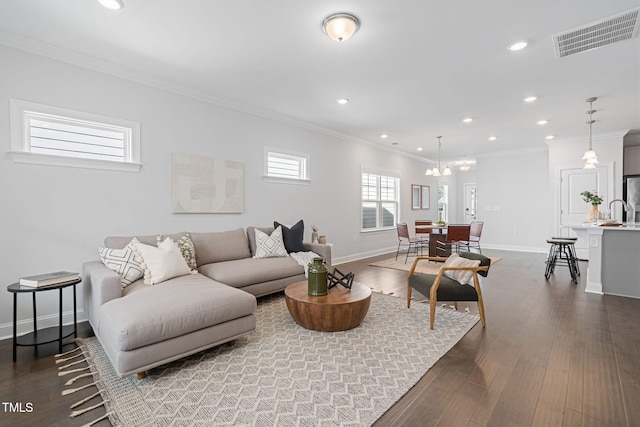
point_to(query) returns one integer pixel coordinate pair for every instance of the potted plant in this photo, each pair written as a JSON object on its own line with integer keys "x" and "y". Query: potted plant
{"x": 592, "y": 197}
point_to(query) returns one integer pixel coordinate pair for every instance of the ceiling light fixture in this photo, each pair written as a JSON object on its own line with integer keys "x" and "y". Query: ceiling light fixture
{"x": 112, "y": 4}
{"x": 436, "y": 170}
{"x": 530, "y": 98}
{"x": 419, "y": 148}
{"x": 467, "y": 120}
{"x": 519, "y": 45}
{"x": 543, "y": 122}
{"x": 384, "y": 136}
{"x": 589, "y": 157}
{"x": 492, "y": 138}
{"x": 549, "y": 137}
{"x": 342, "y": 101}
{"x": 465, "y": 167}
{"x": 340, "y": 26}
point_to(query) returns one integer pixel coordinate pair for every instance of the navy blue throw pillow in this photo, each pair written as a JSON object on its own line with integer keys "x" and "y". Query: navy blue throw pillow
{"x": 293, "y": 236}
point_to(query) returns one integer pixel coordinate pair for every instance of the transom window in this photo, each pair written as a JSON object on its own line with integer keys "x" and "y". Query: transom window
{"x": 51, "y": 135}
{"x": 380, "y": 197}
{"x": 286, "y": 166}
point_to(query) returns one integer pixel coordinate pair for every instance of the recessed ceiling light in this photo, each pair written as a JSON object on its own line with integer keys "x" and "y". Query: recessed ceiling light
{"x": 342, "y": 101}
{"x": 384, "y": 136}
{"x": 467, "y": 120}
{"x": 492, "y": 138}
{"x": 549, "y": 137}
{"x": 419, "y": 148}
{"x": 112, "y": 4}
{"x": 530, "y": 98}
{"x": 543, "y": 122}
{"x": 519, "y": 45}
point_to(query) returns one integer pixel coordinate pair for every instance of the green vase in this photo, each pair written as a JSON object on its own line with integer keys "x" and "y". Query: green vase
{"x": 317, "y": 281}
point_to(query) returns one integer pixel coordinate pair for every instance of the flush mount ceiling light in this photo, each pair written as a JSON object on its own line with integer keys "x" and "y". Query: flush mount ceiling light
{"x": 112, "y": 4}
{"x": 519, "y": 45}
{"x": 549, "y": 137}
{"x": 436, "y": 170}
{"x": 589, "y": 157}
{"x": 492, "y": 138}
{"x": 342, "y": 101}
{"x": 543, "y": 122}
{"x": 530, "y": 98}
{"x": 340, "y": 26}
{"x": 467, "y": 120}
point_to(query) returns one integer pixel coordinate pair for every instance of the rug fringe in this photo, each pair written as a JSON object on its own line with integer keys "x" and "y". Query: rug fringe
{"x": 85, "y": 410}
{"x": 98, "y": 419}
{"x": 71, "y": 364}
{"x": 67, "y": 352}
{"x": 69, "y": 358}
{"x": 61, "y": 374}
{"x": 73, "y": 390}
{"x": 86, "y": 399}
{"x": 76, "y": 378}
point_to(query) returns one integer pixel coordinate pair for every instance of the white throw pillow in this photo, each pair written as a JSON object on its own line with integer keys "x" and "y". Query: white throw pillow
{"x": 270, "y": 246}
{"x": 461, "y": 276}
{"x": 161, "y": 263}
{"x": 123, "y": 262}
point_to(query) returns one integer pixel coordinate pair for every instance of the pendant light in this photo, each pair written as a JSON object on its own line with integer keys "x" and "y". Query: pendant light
{"x": 589, "y": 157}
{"x": 436, "y": 170}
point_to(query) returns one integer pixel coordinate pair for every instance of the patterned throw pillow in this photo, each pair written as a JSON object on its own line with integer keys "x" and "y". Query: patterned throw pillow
{"x": 187, "y": 249}
{"x": 462, "y": 276}
{"x": 123, "y": 262}
{"x": 270, "y": 246}
{"x": 161, "y": 263}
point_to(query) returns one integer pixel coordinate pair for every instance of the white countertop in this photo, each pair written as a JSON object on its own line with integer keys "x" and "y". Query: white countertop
{"x": 619, "y": 227}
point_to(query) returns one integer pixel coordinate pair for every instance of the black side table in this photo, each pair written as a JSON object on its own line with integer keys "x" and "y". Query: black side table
{"x": 47, "y": 335}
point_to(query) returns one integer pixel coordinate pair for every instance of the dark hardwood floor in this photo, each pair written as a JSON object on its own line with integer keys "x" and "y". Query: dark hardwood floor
{"x": 551, "y": 355}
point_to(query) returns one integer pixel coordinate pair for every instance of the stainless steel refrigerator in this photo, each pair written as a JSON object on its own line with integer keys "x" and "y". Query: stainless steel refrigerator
{"x": 631, "y": 194}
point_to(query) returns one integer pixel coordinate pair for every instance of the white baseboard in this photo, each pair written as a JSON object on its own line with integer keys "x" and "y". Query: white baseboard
{"x": 363, "y": 255}
{"x": 26, "y": 325}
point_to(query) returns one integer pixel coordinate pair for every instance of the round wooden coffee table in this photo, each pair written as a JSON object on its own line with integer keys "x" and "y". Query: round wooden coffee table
{"x": 341, "y": 309}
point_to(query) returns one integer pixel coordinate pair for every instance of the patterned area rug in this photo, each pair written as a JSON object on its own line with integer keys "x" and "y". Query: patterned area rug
{"x": 428, "y": 267}
{"x": 285, "y": 375}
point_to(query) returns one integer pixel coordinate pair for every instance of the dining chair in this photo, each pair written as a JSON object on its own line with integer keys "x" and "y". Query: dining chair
{"x": 457, "y": 234}
{"x": 405, "y": 239}
{"x": 445, "y": 285}
{"x": 475, "y": 232}
{"x": 422, "y": 229}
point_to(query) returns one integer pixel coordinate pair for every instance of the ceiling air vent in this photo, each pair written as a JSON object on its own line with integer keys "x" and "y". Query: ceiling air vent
{"x": 597, "y": 34}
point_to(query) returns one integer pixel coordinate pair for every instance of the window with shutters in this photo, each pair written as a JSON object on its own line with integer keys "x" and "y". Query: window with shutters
{"x": 380, "y": 197}
{"x": 50, "y": 135}
{"x": 286, "y": 166}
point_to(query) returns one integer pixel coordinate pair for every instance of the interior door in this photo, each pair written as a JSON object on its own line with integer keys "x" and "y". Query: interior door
{"x": 470, "y": 202}
{"x": 573, "y": 210}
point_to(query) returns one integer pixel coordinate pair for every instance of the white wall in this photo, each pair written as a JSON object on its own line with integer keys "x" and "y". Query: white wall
{"x": 513, "y": 199}
{"x": 54, "y": 218}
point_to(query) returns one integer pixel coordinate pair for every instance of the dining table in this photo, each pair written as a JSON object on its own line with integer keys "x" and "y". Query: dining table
{"x": 436, "y": 233}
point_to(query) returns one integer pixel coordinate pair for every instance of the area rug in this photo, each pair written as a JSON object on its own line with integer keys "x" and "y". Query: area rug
{"x": 285, "y": 375}
{"x": 428, "y": 267}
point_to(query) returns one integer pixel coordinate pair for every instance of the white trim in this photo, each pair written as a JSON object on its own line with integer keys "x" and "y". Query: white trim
{"x": 47, "y": 321}
{"x": 20, "y": 150}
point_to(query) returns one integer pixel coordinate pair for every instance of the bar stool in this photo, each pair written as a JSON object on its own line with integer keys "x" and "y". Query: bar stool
{"x": 562, "y": 252}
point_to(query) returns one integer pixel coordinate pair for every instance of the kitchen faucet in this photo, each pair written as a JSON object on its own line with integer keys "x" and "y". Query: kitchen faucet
{"x": 624, "y": 205}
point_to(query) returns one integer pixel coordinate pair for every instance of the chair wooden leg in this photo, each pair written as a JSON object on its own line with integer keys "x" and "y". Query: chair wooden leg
{"x": 455, "y": 305}
{"x": 141, "y": 375}
{"x": 432, "y": 312}
{"x": 480, "y": 303}
{"x": 408, "y": 296}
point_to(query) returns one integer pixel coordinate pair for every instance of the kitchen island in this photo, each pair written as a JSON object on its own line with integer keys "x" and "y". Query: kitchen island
{"x": 614, "y": 258}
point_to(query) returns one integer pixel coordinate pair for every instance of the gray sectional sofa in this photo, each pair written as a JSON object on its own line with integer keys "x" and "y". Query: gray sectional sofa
{"x": 142, "y": 326}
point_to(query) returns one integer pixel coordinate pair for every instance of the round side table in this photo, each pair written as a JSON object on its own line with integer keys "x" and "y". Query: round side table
{"x": 46, "y": 335}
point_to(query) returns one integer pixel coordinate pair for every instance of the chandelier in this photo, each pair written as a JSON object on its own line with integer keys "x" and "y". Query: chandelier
{"x": 436, "y": 170}
{"x": 589, "y": 157}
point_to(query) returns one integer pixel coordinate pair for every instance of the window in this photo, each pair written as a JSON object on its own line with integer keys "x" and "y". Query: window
{"x": 55, "y": 136}
{"x": 443, "y": 203}
{"x": 380, "y": 195}
{"x": 286, "y": 166}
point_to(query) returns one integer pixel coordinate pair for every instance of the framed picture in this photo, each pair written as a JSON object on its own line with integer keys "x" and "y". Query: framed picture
{"x": 415, "y": 196}
{"x": 425, "y": 195}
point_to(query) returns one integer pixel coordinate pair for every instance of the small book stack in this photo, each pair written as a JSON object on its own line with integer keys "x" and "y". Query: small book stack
{"x": 49, "y": 279}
